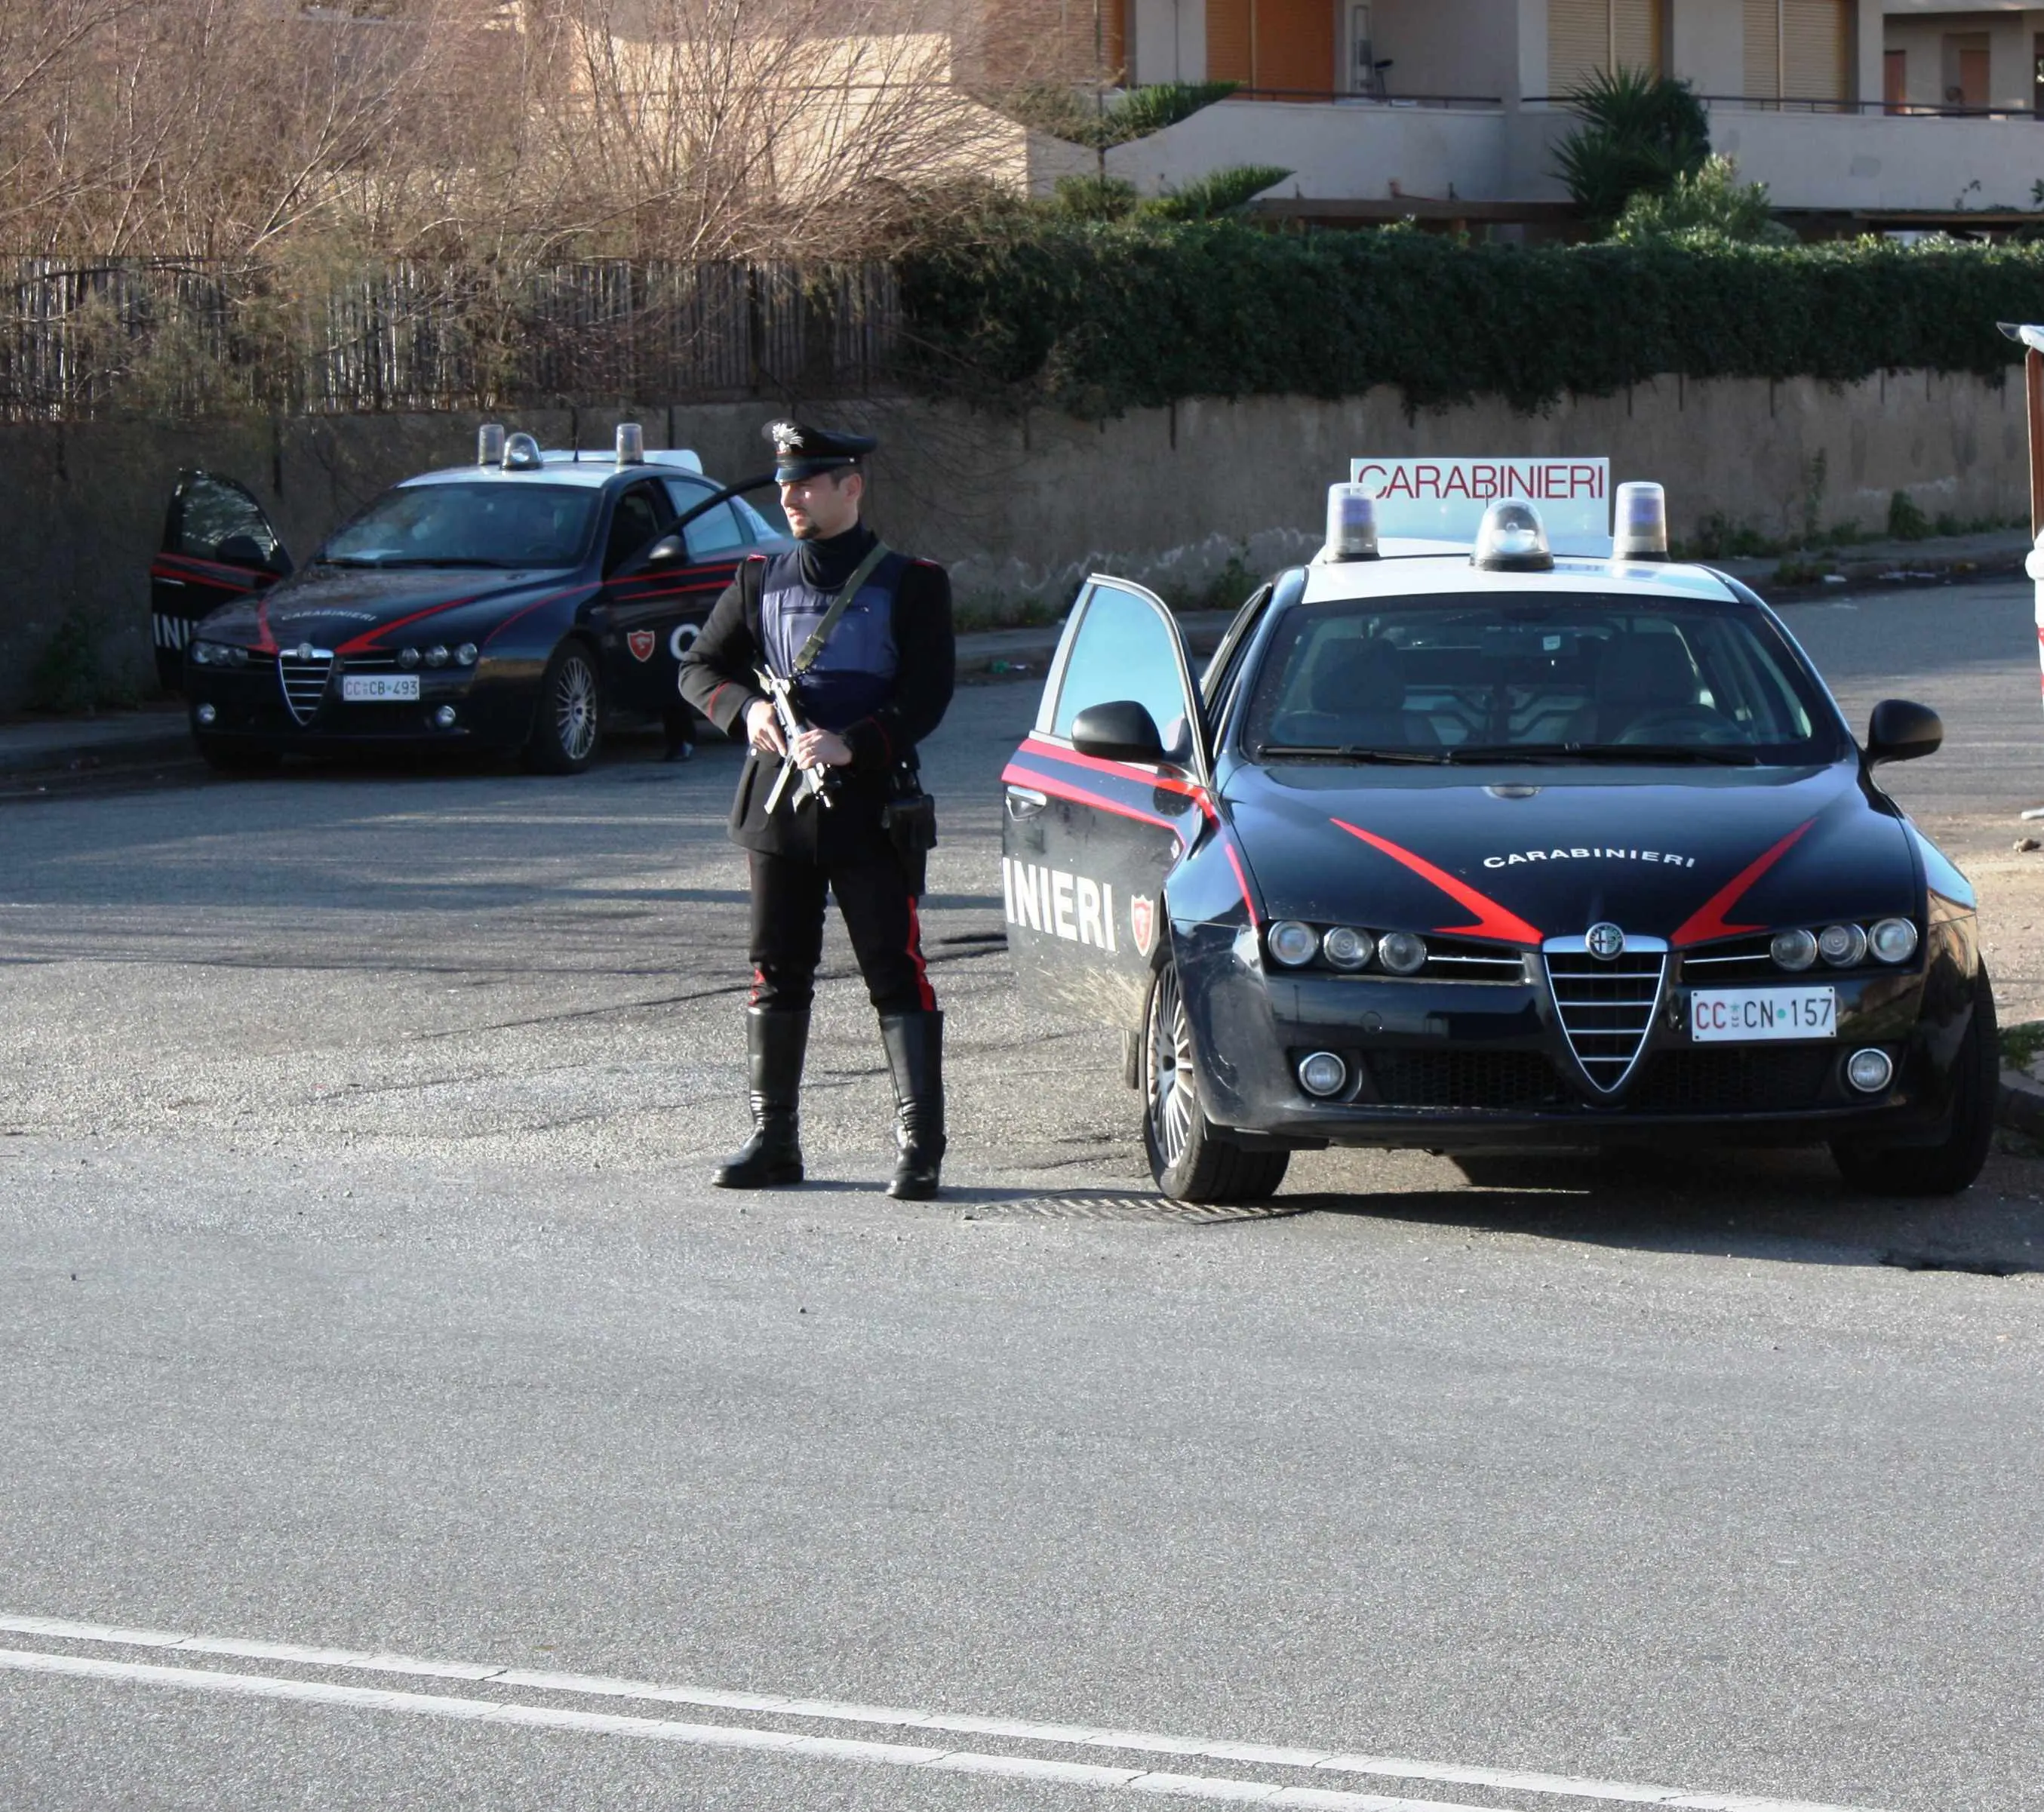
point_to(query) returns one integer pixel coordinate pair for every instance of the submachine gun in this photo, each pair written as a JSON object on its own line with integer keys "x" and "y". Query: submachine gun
{"x": 816, "y": 783}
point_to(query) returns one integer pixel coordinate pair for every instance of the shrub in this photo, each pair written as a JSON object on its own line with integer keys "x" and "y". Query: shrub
{"x": 1702, "y": 208}
{"x": 1097, "y": 122}
{"x": 1098, "y": 318}
{"x": 1905, "y": 521}
{"x": 1639, "y": 132}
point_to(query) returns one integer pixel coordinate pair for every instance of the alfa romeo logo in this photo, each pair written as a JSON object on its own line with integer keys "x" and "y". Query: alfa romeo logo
{"x": 1606, "y": 942}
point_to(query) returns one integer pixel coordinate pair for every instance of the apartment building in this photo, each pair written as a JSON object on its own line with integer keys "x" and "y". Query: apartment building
{"x": 1853, "y": 112}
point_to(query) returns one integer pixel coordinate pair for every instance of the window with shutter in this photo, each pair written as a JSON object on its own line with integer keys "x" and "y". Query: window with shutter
{"x": 1763, "y": 49}
{"x": 1636, "y": 31}
{"x": 1295, "y": 46}
{"x": 1230, "y": 25}
{"x": 1815, "y": 40}
{"x": 1578, "y": 42}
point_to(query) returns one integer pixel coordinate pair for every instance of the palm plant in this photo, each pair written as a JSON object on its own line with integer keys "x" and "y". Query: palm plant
{"x": 1639, "y": 132}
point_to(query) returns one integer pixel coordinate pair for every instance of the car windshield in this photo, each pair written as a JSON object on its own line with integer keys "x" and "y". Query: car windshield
{"x": 481, "y": 524}
{"x": 1576, "y": 677}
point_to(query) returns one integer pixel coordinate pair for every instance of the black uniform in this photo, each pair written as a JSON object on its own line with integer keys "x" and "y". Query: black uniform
{"x": 882, "y": 682}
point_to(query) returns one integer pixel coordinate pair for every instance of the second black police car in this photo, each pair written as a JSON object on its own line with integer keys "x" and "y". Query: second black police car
{"x": 515, "y": 604}
{"x": 1486, "y": 848}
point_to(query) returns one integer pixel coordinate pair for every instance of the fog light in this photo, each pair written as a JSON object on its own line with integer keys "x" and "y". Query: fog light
{"x": 408, "y": 658}
{"x": 1894, "y": 940}
{"x": 465, "y": 654}
{"x": 1842, "y": 945}
{"x": 444, "y": 717}
{"x": 205, "y": 715}
{"x": 1323, "y": 1074}
{"x": 1870, "y": 1071}
{"x": 1402, "y": 953}
{"x": 1794, "y": 949}
{"x": 437, "y": 655}
{"x": 1347, "y": 947}
{"x": 1293, "y": 943}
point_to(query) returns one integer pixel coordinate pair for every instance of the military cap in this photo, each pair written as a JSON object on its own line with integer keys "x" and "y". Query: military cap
{"x": 800, "y": 453}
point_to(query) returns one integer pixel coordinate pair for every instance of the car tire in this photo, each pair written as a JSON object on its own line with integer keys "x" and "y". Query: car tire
{"x": 237, "y": 757}
{"x": 567, "y": 720}
{"x": 1945, "y": 1168}
{"x": 1191, "y": 1159}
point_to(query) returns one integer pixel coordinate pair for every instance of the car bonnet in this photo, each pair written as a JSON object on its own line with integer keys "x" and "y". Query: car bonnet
{"x": 354, "y": 610}
{"x": 1519, "y": 855}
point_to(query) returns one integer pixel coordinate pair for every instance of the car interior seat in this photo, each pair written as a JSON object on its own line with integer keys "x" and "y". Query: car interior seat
{"x": 1644, "y": 674}
{"x": 1355, "y": 695}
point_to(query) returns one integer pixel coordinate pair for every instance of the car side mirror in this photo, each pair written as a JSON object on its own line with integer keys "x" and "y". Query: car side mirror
{"x": 1900, "y": 731}
{"x": 669, "y": 550}
{"x": 1122, "y": 731}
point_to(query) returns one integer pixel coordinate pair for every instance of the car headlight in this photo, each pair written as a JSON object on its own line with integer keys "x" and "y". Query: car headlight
{"x": 466, "y": 655}
{"x": 437, "y": 655}
{"x": 1842, "y": 945}
{"x": 218, "y": 654}
{"x": 1402, "y": 953}
{"x": 1347, "y": 947}
{"x": 408, "y": 658}
{"x": 1293, "y": 943}
{"x": 1794, "y": 949}
{"x": 1894, "y": 940}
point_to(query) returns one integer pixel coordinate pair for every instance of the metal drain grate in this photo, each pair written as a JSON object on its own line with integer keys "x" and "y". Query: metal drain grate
{"x": 1131, "y": 1208}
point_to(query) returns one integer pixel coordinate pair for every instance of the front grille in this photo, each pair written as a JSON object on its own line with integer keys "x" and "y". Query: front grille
{"x": 1464, "y": 959}
{"x": 1734, "y": 1079}
{"x": 1732, "y": 960}
{"x": 303, "y": 672}
{"x": 371, "y": 663}
{"x": 1465, "y": 1079}
{"x": 1606, "y": 1009}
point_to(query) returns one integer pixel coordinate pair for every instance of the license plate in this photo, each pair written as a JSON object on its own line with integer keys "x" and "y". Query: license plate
{"x": 1742, "y": 1015}
{"x": 368, "y": 688}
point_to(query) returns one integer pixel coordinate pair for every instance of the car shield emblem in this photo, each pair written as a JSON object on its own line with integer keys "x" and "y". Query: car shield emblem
{"x": 1606, "y": 942}
{"x": 642, "y": 643}
{"x": 1142, "y": 921}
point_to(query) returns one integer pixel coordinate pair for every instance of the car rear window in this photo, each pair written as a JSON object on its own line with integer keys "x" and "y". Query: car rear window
{"x": 1578, "y": 673}
{"x": 487, "y": 523}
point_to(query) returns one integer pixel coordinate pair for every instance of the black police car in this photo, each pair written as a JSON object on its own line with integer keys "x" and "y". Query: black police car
{"x": 515, "y": 604}
{"x": 1493, "y": 851}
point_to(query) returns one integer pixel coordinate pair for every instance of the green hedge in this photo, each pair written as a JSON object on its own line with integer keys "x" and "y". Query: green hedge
{"x": 1098, "y": 319}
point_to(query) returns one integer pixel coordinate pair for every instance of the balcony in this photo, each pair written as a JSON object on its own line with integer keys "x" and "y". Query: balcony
{"x": 1474, "y": 160}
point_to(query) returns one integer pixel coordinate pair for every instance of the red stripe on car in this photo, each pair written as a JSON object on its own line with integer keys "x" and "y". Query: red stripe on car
{"x": 1493, "y": 920}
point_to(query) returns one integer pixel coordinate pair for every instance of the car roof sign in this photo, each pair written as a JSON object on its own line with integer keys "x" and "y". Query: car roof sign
{"x": 1443, "y": 499}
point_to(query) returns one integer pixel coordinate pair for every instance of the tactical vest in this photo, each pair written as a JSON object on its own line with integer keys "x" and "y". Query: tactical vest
{"x": 854, "y": 674}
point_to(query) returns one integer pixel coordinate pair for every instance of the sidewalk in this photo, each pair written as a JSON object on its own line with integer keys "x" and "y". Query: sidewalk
{"x": 158, "y": 732}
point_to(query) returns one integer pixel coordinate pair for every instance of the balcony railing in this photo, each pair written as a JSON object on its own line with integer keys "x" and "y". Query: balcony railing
{"x": 1474, "y": 103}
{"x": 1818, "y": 104}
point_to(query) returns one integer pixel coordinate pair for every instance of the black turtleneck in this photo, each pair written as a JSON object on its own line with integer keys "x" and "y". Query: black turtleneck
{"x": 826, "y": 561}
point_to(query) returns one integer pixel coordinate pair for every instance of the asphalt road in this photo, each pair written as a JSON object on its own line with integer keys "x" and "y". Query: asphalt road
{"x": 360, "y": 1294}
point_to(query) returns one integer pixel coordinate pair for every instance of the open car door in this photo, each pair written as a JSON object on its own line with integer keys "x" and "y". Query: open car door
{"x": 1088, "y": 839}
{"x": 218, "y": 546}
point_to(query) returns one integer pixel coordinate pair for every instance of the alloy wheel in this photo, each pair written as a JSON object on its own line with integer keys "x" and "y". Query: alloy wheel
{"x": 574, "y": 707}
{"x": 1172, "y": 1099}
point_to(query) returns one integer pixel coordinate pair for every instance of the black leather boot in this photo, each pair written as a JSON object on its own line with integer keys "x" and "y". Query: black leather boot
{"x": 916, "y": 1058}
{"x": 775, "y": 1040}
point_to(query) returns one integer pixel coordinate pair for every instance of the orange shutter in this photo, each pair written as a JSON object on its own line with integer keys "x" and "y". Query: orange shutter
{"x": 1230, "y": 57}
{"x": 1763, "y": 49}
{"x": 1295, "y": 46}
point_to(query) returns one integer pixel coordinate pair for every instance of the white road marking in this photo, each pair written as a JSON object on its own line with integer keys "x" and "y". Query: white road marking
{"x": 716, "y": 1736}
{"x": 837, "y": 1711}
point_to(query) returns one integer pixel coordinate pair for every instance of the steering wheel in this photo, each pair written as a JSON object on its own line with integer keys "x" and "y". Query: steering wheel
{"x": 1702, "y": 724}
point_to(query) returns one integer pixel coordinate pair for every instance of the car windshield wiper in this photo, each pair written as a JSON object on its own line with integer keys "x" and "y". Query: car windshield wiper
{"x": 1328, "y": 751}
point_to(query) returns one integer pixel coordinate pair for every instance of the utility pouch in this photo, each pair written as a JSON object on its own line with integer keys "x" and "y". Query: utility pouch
{"x": 910, "y": 820}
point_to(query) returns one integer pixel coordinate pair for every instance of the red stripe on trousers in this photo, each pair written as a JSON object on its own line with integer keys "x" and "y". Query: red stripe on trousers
{"x": 916, "y": 957}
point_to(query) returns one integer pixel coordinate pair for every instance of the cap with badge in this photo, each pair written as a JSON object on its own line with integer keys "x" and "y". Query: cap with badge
{"x": 801, "y": 452}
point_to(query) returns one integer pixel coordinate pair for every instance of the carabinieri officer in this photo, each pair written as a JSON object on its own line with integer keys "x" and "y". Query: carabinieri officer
{"x": 874, "y": 684}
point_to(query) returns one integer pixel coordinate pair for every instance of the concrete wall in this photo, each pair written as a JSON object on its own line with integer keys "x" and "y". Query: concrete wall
{"x": 1445, "y": 47}
{"x": 1829, "y": 160}
{"x": 1022, "y": 508}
